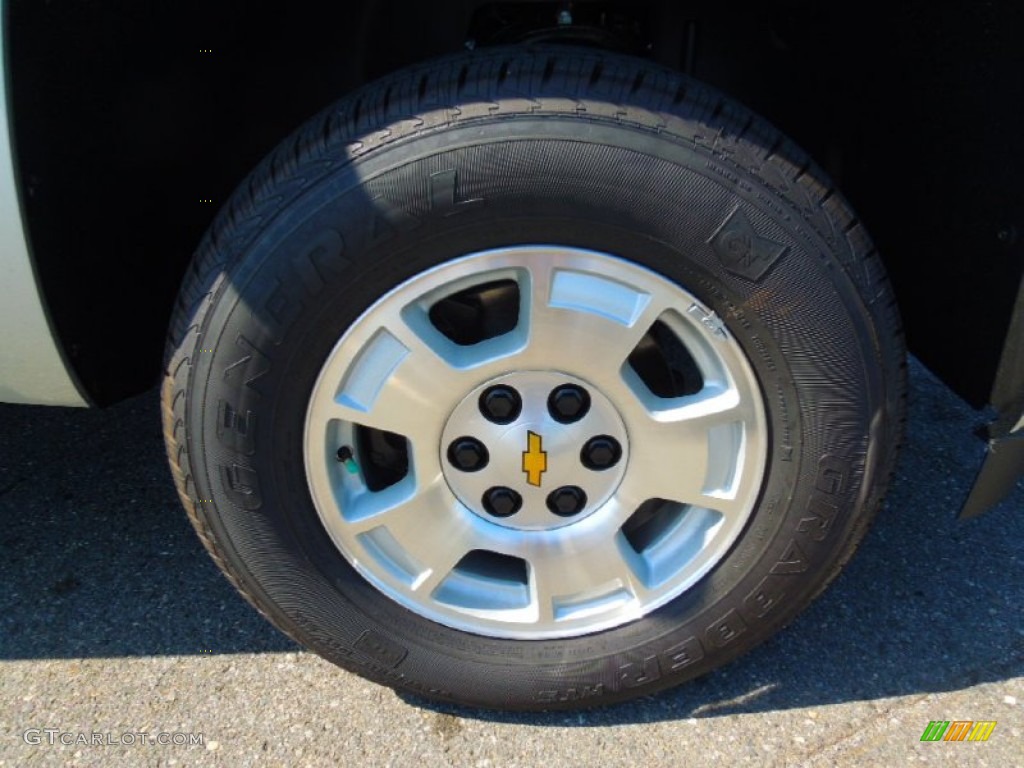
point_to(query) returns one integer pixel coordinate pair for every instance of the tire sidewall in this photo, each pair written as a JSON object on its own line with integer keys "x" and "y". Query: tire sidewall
{"x": 320, "y": 263}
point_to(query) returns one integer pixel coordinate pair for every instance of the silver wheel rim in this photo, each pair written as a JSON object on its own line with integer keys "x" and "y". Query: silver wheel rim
{"x": 683, "y": 487}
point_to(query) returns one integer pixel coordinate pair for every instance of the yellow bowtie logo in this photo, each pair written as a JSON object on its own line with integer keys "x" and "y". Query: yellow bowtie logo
{"x": 535, "y": 459}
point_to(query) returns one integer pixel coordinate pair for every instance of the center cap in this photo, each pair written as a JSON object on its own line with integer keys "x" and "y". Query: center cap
{"x": 534, "y": 450}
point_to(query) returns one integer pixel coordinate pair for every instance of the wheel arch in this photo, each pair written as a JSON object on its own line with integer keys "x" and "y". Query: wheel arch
{"x": 132, "y": 127}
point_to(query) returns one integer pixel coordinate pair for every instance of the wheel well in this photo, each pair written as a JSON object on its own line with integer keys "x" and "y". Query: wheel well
{"x": 133, "y": 126}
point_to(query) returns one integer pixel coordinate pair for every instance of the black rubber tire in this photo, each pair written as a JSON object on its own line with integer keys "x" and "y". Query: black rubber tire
{"x": 562, "y": 146}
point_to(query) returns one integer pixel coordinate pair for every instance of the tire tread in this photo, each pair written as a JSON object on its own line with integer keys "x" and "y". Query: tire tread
{"x": 587, "y": 85}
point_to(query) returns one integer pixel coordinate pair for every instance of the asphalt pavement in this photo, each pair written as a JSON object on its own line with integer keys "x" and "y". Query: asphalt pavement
{"x": 116, "y": 630}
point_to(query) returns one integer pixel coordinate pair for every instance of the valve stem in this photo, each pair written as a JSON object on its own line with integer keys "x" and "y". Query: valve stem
{"x": 346, "y": 457}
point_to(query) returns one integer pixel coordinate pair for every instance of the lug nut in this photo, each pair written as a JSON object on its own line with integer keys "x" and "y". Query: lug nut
{"x": 568, "y": 403}
{"x": 601, "y": 452}
{"x": 567, "y": 500}
{"x": 502, "y": 502}
{"x": 501, "y": 404}
{"x": 468, "y": 454}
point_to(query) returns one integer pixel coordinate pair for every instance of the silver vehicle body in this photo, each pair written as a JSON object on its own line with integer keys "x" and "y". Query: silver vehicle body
{"x": 32, "y": 369}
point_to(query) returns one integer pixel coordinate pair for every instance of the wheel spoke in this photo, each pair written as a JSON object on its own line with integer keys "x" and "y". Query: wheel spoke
{"x": 430, "y": 529}
{"x": 584, "y": 321}
{"x": 399, "y": 383}
{"x": 600, "y": 576}
{"x": 687, "y": 450}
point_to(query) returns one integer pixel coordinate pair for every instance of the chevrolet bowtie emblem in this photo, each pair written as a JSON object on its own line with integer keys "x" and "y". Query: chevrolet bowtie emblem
{"x": 535, "y": 459}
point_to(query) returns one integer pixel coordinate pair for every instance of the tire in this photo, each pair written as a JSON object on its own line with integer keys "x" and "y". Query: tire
{"x": 517, "y": 219}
